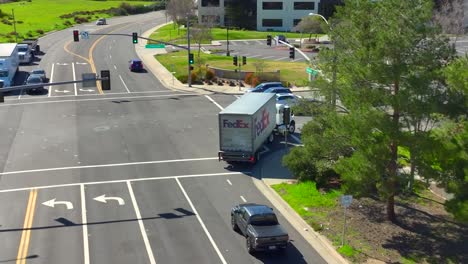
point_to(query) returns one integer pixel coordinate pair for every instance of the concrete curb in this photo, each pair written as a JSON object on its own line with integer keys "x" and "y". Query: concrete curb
{"x": 319, "y": 242}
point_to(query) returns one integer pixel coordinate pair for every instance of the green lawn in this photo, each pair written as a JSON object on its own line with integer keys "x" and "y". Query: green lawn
{"x": 293, "y": 72}
{"x": 44, "y": 15}
{"x": 173, "y": 33}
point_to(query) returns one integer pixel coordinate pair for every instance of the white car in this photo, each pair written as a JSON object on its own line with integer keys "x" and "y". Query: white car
{"x": 287, "y": 99}
{"x": 101, "y": 21}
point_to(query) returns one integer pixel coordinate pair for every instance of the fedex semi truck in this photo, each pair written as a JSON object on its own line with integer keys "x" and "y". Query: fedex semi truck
{"x": 9, "y": 63}
{"x": 245, "y": 125}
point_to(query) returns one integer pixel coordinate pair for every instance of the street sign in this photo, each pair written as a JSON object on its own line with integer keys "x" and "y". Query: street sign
{"x": 346, "y": 200}
{"x": 311, "y": 71}
{"x": 89, "y": 80}
{"x": 155, "y": 46}
{"x": 84, "y": 34}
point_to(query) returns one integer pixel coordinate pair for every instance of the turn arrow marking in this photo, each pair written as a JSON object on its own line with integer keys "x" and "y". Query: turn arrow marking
{"x": 86, "y": 90}
{"x": 103, "y": 199}
{"x": 64, "y": 91}
{"x": 52, "y": 203}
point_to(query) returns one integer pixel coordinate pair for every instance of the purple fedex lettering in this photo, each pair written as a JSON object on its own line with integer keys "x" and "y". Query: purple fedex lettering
{"x": 263, "y": 123}
{"x": 237, "y": 124}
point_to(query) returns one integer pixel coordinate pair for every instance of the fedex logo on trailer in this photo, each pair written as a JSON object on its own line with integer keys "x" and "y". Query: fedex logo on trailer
{"x": 263, "y": 123}
{"x": 237, "y": 124}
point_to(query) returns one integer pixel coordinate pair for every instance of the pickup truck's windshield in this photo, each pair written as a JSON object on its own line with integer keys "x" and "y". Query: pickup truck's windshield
{"x": 263, "y": 220}
{"x": 22, "y": 49}
{"x": 3, "y": 73}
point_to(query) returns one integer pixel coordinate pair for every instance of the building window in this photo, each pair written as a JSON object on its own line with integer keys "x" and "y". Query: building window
{"x": 296, "y": 21}
{"x": 304, "y": 5}
{"x": 272, "y": 22}
{"x": 210, "y": 19}
{"x": 210, "y": 3}
{"x": 272, "y": 5}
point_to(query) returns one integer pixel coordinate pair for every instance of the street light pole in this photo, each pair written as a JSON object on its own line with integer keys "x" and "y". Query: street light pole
{"x": 14, "y": 24}
{"x": 189, "y": 79}
{"x": 227, "y": 38}
{"x": 333, "y": 96}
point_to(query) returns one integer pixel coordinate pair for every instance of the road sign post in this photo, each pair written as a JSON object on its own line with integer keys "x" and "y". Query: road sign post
{"x": 346, "y": 201}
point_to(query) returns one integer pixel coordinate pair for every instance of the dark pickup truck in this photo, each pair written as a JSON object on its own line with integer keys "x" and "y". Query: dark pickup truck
{"x": 259, "y": 225}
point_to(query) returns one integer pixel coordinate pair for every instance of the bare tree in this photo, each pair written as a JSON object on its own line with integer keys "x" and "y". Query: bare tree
{"x": 309, "y": 24}
{"x": 199, "y": 33}
{"x": 449, "y": 15}
{"x": 179, "y": 10}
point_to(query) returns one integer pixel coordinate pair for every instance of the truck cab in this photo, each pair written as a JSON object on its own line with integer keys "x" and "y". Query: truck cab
{"x": 25, "y": 54}
{"x": 281, "y": 127}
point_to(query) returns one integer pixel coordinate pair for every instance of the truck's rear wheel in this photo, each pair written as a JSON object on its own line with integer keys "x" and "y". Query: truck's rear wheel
{"x": 233, "y": 224}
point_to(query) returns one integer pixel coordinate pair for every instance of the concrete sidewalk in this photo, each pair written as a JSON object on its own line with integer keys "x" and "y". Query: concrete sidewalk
{"x": 270, "y": 169}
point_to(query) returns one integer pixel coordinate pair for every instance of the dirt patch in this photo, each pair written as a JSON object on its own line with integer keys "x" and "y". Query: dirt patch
{"x": 424, "y": 232}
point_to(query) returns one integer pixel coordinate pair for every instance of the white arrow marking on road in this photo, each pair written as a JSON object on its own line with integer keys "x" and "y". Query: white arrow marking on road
{"x": 82, "y": 63}
{"x": 103, "y": 199}
{"x": 64, "y": 91}
{"x": 52, "y": 203}
{"x": 86, "y": 90}
{"x": 58, "y": 63}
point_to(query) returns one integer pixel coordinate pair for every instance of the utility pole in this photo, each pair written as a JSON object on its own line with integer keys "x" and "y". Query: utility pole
{"x": 14, "y": 24}
{"x": 227, "y": 38}
{"x": 189, "y": 79}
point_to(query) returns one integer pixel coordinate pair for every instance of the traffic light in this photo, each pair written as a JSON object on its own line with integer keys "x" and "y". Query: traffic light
{"x": 76, "y": 35}
{"x": 2, "y": 97}
{"x": 234, "y": 60}
{"x": 269, "y": 40}
{"x": 135, "y": 37}
{"x": 105, "y": 83}
{"x": 244, "y": 60}
{"x": 291, "y": 53}
{"x": 190, "y": 58}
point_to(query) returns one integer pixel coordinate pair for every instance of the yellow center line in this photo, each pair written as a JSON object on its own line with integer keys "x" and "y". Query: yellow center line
{"x": 90, "y": 59}
{"x": 26, "y": 234}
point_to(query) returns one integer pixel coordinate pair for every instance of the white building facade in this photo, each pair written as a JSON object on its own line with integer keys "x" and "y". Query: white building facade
{"x": 272, "y": 15}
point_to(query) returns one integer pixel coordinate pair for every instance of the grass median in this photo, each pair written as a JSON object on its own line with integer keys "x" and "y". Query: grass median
{"x": 292, "y": 72}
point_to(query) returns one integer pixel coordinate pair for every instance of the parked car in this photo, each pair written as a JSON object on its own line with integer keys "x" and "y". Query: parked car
{"x": 135, "y": 65}
{"x": 278, "y": 90}
{"x": 260, "y": 226}
{"x": 41, "y": 73}
{"x": 263, "y": 86}
{"x": 101, "y": 21}
{"x": 287, "y": 99}
{"x": 34, "y": 79}
{"x": 282, "y": 38}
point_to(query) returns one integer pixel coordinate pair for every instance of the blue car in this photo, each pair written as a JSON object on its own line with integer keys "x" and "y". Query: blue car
{"x": 136, "y": 65}
{"x": 263, "y": 86}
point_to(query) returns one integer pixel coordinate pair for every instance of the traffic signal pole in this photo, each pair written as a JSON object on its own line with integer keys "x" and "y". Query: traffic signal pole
{"x": 189, "y": 79}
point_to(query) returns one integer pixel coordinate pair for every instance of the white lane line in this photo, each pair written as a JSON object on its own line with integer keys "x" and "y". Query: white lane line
{"x": 107, "y": 165}
{"x": 228, "y": 181}
{"x": 243, "y": 199}
{"x": 84, "y": 223}
{"x": 268, "y": 57}
{"x": 110, "y": 56}
{"x": 21, "y": 93}
{"x": 81, "y": 95}
{"x": 260, "y": 42}
{"x": 296, "y": 138}
{"x": 282, "y": 58}
{"x": 255, "y": 56}
{"x": 213, "y": 243}
{"x": 140, "y": 223}
{"x": 100, "y": 99}
{"x": 120, "y": 181}
{"x": 237, "y": 96}
{"x": 51, "y": 80}
{"x": 128, "y": 91}
{"x": 213, "y": 101}
{"x": 74, "y": 78}
{"x": 115, "y": 67}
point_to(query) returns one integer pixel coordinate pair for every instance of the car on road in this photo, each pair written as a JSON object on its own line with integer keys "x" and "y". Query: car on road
{"x": 101, "y": 21}
{"x": 135, "y": 65}
{"x": 41, "y": 73}
{"x": 287, "y": 99}
{"x": 260, "y": 226}
{"x": 282, "y": 38}
{"x": 34, "y": 79}
{"x": 263, "y": 86}
{"x": 278, "y": 90}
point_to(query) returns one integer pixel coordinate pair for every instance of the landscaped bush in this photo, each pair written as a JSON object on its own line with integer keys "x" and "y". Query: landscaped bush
{"x": 210, "y": 74}
{"x": 40, "y": 31}
{"x": 248, "y": 78}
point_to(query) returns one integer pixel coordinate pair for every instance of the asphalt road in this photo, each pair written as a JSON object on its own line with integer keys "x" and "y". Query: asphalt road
{"x": 150, "y": 151}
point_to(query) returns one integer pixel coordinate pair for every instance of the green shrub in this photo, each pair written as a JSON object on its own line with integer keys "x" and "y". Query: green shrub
{"x": 347, "y": 250}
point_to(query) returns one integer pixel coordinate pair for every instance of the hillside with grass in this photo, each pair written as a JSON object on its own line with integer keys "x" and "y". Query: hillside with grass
{"x": 37, "y": 17}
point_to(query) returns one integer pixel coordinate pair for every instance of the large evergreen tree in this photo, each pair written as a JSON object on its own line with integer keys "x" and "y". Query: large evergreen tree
{"x": 386, "y": 70}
